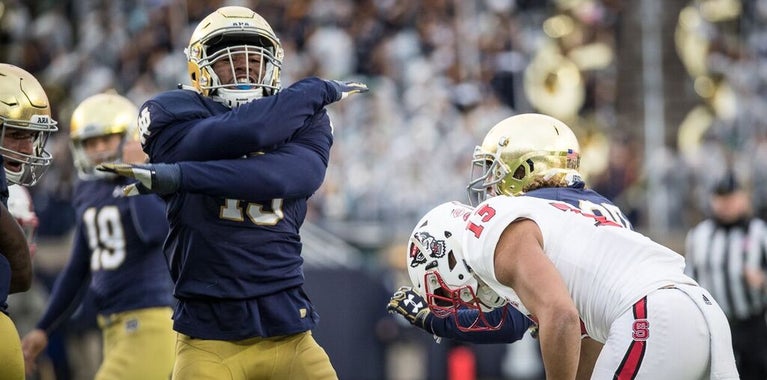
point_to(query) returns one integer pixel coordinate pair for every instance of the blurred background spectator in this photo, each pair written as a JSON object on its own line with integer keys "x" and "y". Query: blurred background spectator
{"x": 664, "y": 96}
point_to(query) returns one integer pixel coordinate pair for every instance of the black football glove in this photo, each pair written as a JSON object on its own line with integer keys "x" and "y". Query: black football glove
{"x": 347, "y": 88}
{"x": 409, "y": 304}
{"x": 152, "y": 178}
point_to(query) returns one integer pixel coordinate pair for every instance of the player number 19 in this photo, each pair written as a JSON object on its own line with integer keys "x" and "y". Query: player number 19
{"x": 106, "y": 237}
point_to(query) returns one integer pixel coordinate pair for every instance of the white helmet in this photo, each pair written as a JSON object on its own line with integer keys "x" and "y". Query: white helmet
{"x": 439, "y": 272}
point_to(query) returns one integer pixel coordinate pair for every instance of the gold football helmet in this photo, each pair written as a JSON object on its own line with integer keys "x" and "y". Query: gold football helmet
{"x": 225, "y": 34}
{"x": 25, "y": 113}
{"x": 520, "y": 152}
{"x": 101, "y": 115}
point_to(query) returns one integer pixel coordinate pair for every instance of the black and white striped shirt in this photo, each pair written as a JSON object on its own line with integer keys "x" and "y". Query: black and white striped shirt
{"x": 717, "y": 256}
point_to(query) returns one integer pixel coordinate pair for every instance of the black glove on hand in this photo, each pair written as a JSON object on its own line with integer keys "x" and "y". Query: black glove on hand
{"x": 347, "y": 88}
{"x": 412, "y": 306}
{"x": 153, "y": 178}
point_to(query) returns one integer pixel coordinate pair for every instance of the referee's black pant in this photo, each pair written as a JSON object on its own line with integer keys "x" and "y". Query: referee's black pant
{"x": 749, "y": 341}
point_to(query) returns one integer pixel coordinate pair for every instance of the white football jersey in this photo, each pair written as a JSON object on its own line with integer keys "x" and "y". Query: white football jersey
{"x": 606, "y": 268}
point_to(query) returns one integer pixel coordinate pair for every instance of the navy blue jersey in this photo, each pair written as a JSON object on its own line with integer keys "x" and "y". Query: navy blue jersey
{"x": 514, "y": 328}
{"x": 5, "y": 266}
{"x": 117, "y": 250}
{"x": 234, "y": 248}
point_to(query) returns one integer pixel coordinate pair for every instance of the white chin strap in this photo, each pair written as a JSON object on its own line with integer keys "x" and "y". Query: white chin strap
{"x": 235, "y": 98}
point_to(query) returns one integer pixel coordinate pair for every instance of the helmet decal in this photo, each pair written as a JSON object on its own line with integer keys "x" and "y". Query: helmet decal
{"x": 436, "y": 248}
{"x": 416, "y": 256}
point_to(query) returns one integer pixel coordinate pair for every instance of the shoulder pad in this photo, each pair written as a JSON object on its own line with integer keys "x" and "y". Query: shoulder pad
{"x": 172, "y": 107}
{"x": 181, "y": 104}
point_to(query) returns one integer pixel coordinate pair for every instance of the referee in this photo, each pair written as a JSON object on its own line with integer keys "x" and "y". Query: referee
{"x": 727, "y": 254}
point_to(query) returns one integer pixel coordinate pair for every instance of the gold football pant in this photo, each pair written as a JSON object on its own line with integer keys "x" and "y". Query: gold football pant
{"x": 11, "y": 359}
{"x": 295, "y": 357}
{"x": 138, "y": 344}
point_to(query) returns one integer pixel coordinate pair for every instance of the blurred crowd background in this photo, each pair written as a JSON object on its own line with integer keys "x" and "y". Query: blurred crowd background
{"x": 664, "y": 95}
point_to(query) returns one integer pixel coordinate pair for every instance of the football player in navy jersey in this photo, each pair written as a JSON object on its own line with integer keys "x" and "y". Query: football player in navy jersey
{"x": 14, "y": 278}
{"x": 116, "y": 252}
{"x": 236, "y": 157}
{"x": 531, "y": 154}
{"x": 25, "y": 125}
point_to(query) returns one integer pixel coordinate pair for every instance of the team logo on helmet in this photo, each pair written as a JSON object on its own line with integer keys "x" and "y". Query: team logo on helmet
{"x": 436, "y": 248}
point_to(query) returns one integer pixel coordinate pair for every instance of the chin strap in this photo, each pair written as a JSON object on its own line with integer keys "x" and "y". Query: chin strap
{"x": 182, "y": 86}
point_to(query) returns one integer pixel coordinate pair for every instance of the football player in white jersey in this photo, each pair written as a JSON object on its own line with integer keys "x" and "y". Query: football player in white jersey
{"x": 531, "y": 154}
{"x": 567, "y": 267}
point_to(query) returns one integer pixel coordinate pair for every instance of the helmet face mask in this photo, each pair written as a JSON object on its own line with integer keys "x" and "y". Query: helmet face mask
{"x": 100, "y": 116}
{"x": 445, "y": 302}
{"x": 25, "y": 114}
{"x": 486, "y": 174}
{"x": 439, "y": 273}
{"x": 233, "y": 39}
{"x": 519, "y": 153}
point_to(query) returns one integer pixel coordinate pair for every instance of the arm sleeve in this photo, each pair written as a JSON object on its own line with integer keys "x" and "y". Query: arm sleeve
{"x": 249, "y": 128}
{"x": 512, "y": 330}
{"x": 70, "y": 286}
{"x": 293, "y": 170}
{"x": 148, "y": 216}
